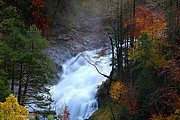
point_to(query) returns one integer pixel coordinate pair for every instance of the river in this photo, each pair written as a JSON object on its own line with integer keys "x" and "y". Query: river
{"x": 79, "y": 83}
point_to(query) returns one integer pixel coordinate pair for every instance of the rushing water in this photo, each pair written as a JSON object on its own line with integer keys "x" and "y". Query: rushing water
{"x": 79, "y": 83}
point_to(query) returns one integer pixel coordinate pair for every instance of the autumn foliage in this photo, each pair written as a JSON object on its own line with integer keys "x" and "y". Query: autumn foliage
{"x": 101, "y": 53}
{"x": 149, "y": 49}
{"x": 41, "y": 22}
{"x": 11, "y": 110}
{"x": 65, "y": 115}
{"x": 159, "y": 116}
{"x": 116, "y": 90}
{"x": 149, "y": 22}
{"x": 151, "y": 90}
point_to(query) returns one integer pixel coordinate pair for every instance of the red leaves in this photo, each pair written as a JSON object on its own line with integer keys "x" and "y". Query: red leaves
{"x": 41, "y": 22}
{"x": 66, "y": 114}
{"x": 173, "y": 67}
{"x": 149, "y": 22}
{"x": 170, "y": 99}
{"x": 38, "y": 3}
{"x": 101, "y": 53}
{"x": 133, "y": 107}
{"x": 130, "y": 99}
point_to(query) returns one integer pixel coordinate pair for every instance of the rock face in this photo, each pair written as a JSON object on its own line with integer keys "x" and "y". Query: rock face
{"x": 82, "y": 30}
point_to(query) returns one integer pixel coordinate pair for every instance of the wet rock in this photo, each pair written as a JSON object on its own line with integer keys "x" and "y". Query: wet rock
{"x": 86, "y": 33}
{"x": 64, "y": 37}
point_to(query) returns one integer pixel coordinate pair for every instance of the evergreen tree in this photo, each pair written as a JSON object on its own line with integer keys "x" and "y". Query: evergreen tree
{"x": 22, "y": 58}
{"x": 4, "y": 87}
{"x": 39, "y": 71}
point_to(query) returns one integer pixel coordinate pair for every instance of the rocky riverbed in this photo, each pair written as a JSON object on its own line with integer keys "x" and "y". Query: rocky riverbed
{"x": 82, "y": 30}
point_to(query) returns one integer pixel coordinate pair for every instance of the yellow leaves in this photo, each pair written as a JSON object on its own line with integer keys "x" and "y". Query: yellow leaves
{"x": 175, "y": 116}
{"x": 85, "y": 3}
{"x": 149, "y": 29}
{"x": 149, "y": 51}
{"x": 116, "y": 90}
{"x": 11, "y": 110}
{"x": 155, "y": 117}
{"x": 136, "y": 52}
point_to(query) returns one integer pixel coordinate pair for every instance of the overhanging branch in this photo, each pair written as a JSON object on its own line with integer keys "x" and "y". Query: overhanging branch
{"x": 96, "y": 68}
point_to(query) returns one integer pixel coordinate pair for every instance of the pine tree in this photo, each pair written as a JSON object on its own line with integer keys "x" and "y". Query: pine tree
{"x": 22, "y": 58}
{"x": 4, "y": 87}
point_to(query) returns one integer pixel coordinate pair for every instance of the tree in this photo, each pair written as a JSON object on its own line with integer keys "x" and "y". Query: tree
{"x": 149, "y": 22}
{"x": 117, "y": 88}
{"x": 8, "y": 20}
{"x": 147, "y": 56}
{"x": 4, "y": 86}
{"x": 39, "y": 69}
{"x": 65, "y": 115}
{"x": 118, "y": 17}
{"x": 148, "y": 33}
{"x": 40, "y": 21}
{"x": 11, "y": 110}
{"x": 147, "y": 52}
{"x": 22, "y": 59}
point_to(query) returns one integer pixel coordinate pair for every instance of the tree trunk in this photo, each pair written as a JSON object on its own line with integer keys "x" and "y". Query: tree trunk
{"x": 58, "y": 3}
{"x": 20, "y": 84}
{"x": 25, "y": 90}
{"x": 133, "y": 23}
{"x": 12, "y": 83}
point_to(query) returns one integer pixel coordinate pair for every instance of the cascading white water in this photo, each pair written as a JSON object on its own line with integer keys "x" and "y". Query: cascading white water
{"x": 79, "y": 83}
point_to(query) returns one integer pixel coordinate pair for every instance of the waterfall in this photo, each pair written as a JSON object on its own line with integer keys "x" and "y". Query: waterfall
{"x": 79, "y": 83}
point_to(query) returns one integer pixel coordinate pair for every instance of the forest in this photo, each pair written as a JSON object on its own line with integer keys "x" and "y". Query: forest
{"x": 144, "y": 40}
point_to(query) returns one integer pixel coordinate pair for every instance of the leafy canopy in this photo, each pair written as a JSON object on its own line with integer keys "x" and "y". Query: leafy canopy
{"x": 11, "y": 110}
{"x": 149, "y": 22}
{"x": 117, "y": 88}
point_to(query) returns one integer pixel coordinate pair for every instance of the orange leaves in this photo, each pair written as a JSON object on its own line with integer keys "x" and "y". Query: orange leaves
{"x": 170, "y": 99}
{"x": 38, "y": 3}
{"x": 149, "y": 29}
{"x": 41, "y": 22}
{"x": 149, "y": 22}
{"x": 66, "y": 114}
{"x": 133, "y": 107}
{"x": 101, "y": 53}
{"x": 174, "y": 116}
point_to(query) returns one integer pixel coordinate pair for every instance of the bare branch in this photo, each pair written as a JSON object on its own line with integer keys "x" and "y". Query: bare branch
{"x": 96, "y": 68}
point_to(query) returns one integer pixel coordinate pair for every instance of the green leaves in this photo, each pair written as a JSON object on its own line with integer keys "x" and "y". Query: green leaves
{"x": 23, "y": 62}
{"x": 4, "y": 87}
{"x": 35, "y": 39}
{"x": 9, "y": 20}
{"x": 148, "y": 52}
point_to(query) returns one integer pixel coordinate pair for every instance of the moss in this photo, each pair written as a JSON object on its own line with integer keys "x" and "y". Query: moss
{"x": 102, "y": 93}
{"x": 69, "y": 26}
{"x": 101, "y": 114}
